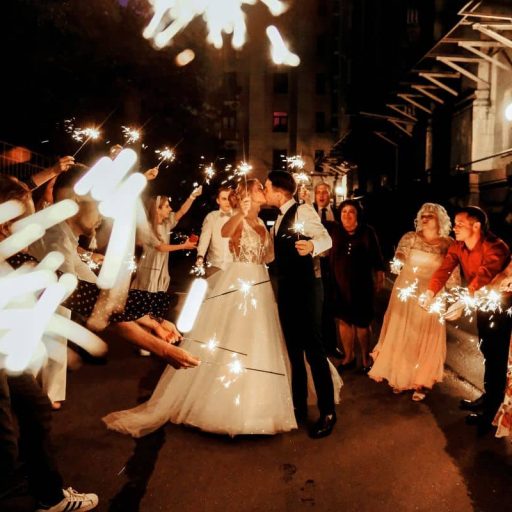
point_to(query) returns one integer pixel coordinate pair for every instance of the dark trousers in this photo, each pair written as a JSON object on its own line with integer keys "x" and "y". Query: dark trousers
{"x": 297, "y": 311}
{"x": 21, "y": 396}
{"x": 327, "y": 323}
{"x": 494, "y": 330}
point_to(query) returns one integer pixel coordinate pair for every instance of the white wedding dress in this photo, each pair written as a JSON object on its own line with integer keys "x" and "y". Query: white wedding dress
{"x": 240, "y": 313}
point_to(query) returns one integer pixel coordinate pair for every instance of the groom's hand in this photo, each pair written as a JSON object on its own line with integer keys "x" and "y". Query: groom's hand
{"x": 304, "y": 247}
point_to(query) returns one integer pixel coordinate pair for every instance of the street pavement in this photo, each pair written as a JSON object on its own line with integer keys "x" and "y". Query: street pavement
{"x": 387, "y": 453}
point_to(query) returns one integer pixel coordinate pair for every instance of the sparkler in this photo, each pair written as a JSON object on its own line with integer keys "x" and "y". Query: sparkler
{"x": 130, "y": 134}
{"x": 296, "y": 162}
{"x": 209, "y": 173}
{"x": 212, "y": 345}
{"x": 298, "y": 228}
{"x": 236, "y": 368}
{"x": 165, "y": 155}
{"x": 395, "y": 266}
{"x": 404, "y": 294}
{"x": 84, "y": 135}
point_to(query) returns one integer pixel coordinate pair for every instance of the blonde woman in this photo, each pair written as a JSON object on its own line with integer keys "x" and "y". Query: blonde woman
{"x": 411, "y": 350}
{"x": 153, "y": 268}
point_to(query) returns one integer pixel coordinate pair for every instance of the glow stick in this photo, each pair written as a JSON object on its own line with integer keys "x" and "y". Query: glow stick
{"x": 50, "y": 216}
{"x": 20, "y": 240}
{"x": 192, "y": 305}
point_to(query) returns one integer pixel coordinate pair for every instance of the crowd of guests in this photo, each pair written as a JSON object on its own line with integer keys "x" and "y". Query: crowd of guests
{"x": 410, "y": 351}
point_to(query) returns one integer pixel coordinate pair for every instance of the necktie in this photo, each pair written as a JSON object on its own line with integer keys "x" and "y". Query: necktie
{"x": 323, "y": 217}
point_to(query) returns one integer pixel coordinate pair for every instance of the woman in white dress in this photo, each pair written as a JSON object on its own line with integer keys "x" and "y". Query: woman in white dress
{"x": 153, "y": 267}
{"x": 240, "y": 314}
{"x": 411, "y": 350}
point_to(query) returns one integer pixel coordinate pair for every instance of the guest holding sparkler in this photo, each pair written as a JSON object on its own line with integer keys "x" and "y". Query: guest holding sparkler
{"x": 21, "y": 396}
{"x": 481, "y": 256}
{"x": 211, "y": 240}
{"x": 153, "y": 268}
{"x": 411, "y": 350}
{"x": 358, "y": 270}
{"x": 242, "y": 386}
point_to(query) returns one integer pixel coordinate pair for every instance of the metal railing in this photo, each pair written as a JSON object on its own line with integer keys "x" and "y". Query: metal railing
{"x": 20, "y": 161}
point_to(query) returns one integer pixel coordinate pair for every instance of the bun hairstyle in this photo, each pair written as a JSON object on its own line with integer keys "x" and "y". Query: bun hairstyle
{"x": 242, "y": 190}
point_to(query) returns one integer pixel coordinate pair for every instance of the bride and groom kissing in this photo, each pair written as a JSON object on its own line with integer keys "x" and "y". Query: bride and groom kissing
{"x": 261, "y": 399}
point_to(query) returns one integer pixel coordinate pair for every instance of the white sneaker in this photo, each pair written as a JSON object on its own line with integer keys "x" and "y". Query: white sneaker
{"x": 72, "y": 501}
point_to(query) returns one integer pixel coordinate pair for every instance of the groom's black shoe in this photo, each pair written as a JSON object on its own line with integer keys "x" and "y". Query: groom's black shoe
{"x": 472, "y": 405}
{"x": 323, "y": 427}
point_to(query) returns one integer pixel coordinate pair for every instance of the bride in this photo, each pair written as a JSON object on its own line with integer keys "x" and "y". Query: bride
{"x": 238, "y": 314}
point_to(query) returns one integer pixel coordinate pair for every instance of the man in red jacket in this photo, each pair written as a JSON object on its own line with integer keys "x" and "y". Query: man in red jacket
{"x": 481, "y": 256}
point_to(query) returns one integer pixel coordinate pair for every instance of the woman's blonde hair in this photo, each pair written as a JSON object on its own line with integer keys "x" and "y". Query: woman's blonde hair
{"x": 443, "y": 219}
{"x": 242, "y": 190}
{"x": 152, "y": 205}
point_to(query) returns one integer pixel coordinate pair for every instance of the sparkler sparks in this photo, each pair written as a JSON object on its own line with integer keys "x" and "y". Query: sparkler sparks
{"x": 395, "y": 266}
{"x": 298, "y": 228}
{"x": 404, "y": 294}
{"x": 295, "y": 162}
{"x": 82, "y": 134}
{"x": 209, "y": 173}
{"x": 130, "y": 134}
{"x": 165, "y": 155}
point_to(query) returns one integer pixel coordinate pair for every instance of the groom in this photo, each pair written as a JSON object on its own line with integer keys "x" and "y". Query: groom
{"x": 298, "y": 293}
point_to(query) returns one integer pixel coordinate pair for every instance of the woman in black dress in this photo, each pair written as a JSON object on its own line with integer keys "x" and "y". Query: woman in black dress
{"x": 358, "y": 270}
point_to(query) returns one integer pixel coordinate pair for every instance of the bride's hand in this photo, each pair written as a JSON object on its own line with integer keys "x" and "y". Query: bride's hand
{"x": 179, "y": 358}
{"x": 245, "y": 206}
{"x": 168, "y": 332}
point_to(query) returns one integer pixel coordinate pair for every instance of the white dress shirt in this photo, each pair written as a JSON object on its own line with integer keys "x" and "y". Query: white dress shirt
{"x": 212, "y": 242}
{"x": 313, "y": 228}
{"x": 329, "y": 212}
{"x": 61, "y": 238}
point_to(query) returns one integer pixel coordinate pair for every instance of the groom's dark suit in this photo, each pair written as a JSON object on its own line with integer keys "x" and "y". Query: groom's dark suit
{"x": 296, "y": 297}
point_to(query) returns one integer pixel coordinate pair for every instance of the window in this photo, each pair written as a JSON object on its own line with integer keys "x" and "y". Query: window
{"x": 280, "y": 122}
{"x": 229, "y": 83}
{"x": 321, "y": 45}
{"x": 279, "y": 159}
{"x": 335, "y": 123}
{"x": 320, "y": 83}
{"x": 280, "y": 83}
{"x": 229, "y": 121}
{"x": 320, "y": 122}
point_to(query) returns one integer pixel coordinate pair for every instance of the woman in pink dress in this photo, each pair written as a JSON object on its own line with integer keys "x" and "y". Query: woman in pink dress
{"x": 411, "y": 350}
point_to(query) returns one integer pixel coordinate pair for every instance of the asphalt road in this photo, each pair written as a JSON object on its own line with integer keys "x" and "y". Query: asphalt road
{"x": 387, "y": 453}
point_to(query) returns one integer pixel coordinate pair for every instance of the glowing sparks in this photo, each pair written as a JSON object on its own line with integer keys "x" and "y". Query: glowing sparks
{"x": 165, "y": 155}
{"x": 212, "y": 344}
{"x": 404, "y": 294}
{"x": 83, "y": 134}
{"x": 243, "y": 169}
{"x": 301, "y": 178}
{"x": 245, "y": 287}
{"x": 209, "y": 173}
{"x": 236, "y": 367}
{"x": 221, "y": 17}
{"x": 298, "y": 228}
{"x": 86, "y": 257}
{"x": 296, "y": 162}
{"x": 130, "y": 134}
{"x": 395, "y": 266}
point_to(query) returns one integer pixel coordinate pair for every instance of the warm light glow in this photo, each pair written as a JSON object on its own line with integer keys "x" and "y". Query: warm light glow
{"x": 508, "y": 112}
{"x": 279, "y": 51}
{"x": 192, "y": 305}
{"x": 130, "y": 134}
{"x": 185, "y": 57}
{"x": 54, "y": 214}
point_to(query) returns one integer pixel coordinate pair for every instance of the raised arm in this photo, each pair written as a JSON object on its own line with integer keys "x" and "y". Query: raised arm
{"x": 185, "y": 207}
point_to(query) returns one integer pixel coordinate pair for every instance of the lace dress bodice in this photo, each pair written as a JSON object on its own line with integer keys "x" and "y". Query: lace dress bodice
{"x": 252, "y": 248}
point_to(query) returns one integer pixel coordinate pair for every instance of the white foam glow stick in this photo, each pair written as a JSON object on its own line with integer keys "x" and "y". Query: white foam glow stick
{"x": 192, "y": 305}
{"x": 20, "y": 240}
{"x": 98, "y": 171}
{"x": 15, "y": 285}
{"x": 50, "y": 216}
{"x": 10, "y": 210}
